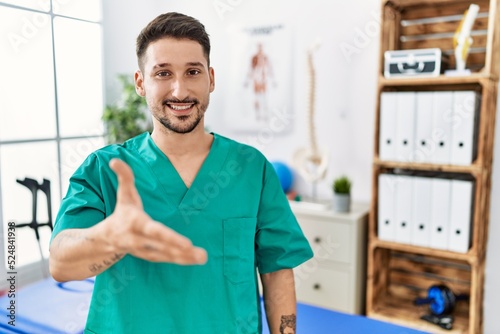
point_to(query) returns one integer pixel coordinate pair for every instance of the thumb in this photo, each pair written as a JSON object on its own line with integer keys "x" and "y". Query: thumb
{"x": 127, "y": 192}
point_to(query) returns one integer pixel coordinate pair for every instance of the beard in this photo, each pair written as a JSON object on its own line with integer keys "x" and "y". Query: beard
{"x": 180, "y": 124}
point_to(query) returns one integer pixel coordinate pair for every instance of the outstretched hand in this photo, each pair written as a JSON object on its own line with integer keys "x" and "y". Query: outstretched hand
{"x": 131, "y": 230}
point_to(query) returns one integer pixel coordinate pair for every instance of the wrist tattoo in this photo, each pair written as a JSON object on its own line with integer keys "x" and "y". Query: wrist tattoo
{"x": 96, "y": 267}
{"x": 288, "y": 324}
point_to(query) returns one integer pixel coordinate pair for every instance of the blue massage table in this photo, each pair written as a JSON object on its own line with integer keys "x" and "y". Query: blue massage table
{"x": 48, "y": 307}
{"x": 312, "y": 320}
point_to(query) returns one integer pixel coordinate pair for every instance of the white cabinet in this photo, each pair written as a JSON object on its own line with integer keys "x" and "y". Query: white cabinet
{"x": 335, "y": 277}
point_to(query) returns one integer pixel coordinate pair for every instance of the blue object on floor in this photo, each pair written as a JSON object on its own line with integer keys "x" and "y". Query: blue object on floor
{"x": 48, "y": 307}
{"x": 312, "y": 320}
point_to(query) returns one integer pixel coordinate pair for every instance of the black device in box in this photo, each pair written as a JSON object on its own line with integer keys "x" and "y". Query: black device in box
{"x": 411, "y": 63}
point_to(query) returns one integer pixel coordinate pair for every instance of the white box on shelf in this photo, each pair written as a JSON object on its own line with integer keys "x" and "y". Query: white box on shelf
{"x": 386, "y": 210}
{"x": 423, "y": 127}
{"x": 465, "y": 114}
{"x": 460, "y": 216}
{"x": 440, "y": 213}
{"x": 403, "y": 206}
{"x": 405, "y": 126}
{"x": 388, "y": 122}
{"x": 422, "y": 191}
{"x": 442, "y": 127}
{"x": 428, "y": 62}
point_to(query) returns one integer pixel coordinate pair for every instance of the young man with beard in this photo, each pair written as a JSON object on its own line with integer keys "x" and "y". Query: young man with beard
{"x": 175, "y": 223}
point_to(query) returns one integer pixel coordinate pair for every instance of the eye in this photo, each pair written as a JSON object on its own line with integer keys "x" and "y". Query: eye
{"x": 162, "y": 74}
{"x": 194, "y": 72}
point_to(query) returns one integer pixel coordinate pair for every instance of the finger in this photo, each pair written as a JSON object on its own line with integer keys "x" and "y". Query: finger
{"x": 200, "y": 255}
{"x": 158, "y": 231}
{"x": 174, "y": 246}
{"x": 190, "y": 256}
{"x": 153, "y": 250}
{"x": 127, "y": 192}
{"x": 195, "y": 255}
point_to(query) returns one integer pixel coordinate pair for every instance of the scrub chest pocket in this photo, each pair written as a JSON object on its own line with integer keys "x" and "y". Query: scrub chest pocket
{"x": 239, "y": 249}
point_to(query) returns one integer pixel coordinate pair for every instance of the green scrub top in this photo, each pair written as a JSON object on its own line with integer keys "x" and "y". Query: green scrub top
{"x": 235, "y": 209}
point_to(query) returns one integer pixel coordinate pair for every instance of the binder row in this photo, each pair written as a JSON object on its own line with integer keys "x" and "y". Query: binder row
{"x": 425, "y": 211}
{"x": 429, "y": 127}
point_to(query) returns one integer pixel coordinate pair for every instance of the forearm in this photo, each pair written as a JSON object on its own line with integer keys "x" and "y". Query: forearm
{"x": 279, "y": 301}
{"x": 76, "y": 254}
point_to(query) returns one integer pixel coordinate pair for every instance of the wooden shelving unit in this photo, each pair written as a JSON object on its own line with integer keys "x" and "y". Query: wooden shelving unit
{"x": 474, "y": 78}
{"x": 398, "y": 273}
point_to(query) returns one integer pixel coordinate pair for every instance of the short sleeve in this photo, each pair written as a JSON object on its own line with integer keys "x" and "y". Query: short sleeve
{"x": 83, "y": 205}
{"x": 280, "y": 243}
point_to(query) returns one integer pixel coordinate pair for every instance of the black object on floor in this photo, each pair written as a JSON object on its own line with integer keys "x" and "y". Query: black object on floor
{"x": 34, "y": 186}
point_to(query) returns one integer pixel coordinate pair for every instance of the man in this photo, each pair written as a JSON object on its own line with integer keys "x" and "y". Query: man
{"x": 136, "y": 225}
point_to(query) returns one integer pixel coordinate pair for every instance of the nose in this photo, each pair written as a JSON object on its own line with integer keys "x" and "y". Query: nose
{"x": 179, "y": 88}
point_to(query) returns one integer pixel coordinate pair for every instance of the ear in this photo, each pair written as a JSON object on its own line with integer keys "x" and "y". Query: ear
{"x": 211, "y": 74}
{"x": 139, "y": 83}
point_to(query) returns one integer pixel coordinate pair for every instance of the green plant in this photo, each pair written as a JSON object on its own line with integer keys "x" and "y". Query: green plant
{"x": 128, "y": 116}
{"x": 342, "y": 185}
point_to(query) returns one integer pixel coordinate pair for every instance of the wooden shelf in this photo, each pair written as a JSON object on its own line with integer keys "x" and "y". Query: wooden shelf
{"x": 469, "y": 257}
{"x": 474, "y": 78}
{"x": 404, "y": 275}
{"x": 470, "y": 169}
{"x": 403, "y": 312}
{"x": 397, "y": 273}
{"x": 421, "y": 3}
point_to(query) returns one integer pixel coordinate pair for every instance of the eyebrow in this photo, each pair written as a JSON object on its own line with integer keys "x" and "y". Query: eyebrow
{"x": 162, "y": 65}
{"x": 196, "y": 63}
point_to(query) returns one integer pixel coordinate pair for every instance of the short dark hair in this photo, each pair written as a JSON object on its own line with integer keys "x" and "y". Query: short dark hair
{"x": 174, "y": 25}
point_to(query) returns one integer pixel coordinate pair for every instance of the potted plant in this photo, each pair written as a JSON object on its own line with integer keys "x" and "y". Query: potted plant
{"x": 342, "y": 194}
{"x": 128, "y": 116}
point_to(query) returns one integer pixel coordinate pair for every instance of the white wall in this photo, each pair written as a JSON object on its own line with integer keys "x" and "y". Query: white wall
{"x": 346, "y": 88}
{"x": 492, "y": 271}
{"x": 119, "y": 34}
{"x": 346, "y": 85}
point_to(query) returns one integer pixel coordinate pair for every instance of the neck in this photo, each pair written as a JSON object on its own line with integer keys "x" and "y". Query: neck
{"x": 174, "y": 144}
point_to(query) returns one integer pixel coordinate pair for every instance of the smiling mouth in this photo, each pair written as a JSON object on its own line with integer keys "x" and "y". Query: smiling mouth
{"x": 180, "y": 108}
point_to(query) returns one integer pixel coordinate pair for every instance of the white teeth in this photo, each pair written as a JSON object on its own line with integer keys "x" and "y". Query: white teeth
{"x": 176, "y": 107}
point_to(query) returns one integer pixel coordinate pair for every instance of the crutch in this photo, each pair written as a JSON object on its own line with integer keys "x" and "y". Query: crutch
{"x": 34, "y": 186}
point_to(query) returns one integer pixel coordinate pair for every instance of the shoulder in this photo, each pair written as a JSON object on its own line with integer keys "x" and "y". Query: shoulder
{"x": 100, "y": 158}
{"x": 121, "y": 150}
